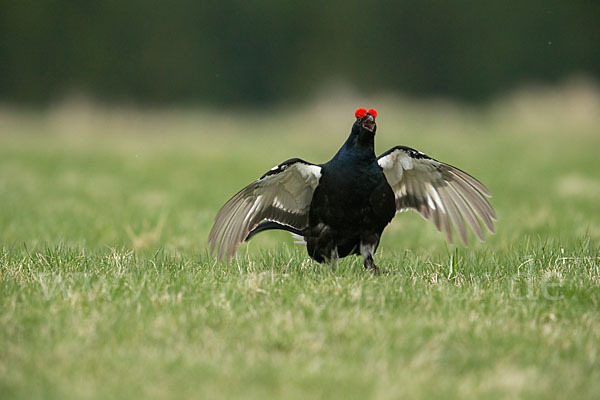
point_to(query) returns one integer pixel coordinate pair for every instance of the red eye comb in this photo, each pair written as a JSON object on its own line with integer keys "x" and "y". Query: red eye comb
{"x": 373, "y": 112}
{"x": 360, "y": 113}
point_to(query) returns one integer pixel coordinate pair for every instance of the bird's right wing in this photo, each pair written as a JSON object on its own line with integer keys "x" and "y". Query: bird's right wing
{"x": 438, "y": 191}
{"x": 283, "y": 195}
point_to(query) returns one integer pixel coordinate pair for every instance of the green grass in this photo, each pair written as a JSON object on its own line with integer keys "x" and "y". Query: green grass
{"x": 107, "y": 290}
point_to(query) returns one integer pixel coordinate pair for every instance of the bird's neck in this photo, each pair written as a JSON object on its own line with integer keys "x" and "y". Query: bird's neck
{"x": 359, "y": 147}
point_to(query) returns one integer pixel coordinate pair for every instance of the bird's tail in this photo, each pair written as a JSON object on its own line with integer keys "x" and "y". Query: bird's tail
{"x": 267, "y": 225}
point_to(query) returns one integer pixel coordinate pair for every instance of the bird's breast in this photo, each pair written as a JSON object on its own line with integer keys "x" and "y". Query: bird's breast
{"x": 350, "y": 187}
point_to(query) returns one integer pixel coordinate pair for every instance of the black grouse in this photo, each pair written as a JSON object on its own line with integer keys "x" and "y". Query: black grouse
{"x": 342, "y": 207}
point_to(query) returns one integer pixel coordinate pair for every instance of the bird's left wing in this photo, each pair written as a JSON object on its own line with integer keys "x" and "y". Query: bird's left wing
{"x": 439, "y": 192}
{"x": 283, "y": 195}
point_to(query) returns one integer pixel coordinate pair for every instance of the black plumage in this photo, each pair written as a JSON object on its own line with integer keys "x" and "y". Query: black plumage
{"x": 342, "y": 207}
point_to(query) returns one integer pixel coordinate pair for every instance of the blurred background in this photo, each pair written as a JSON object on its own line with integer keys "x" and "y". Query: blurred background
{"x": 232, "y": 53}
{"x": 130, "y": 123}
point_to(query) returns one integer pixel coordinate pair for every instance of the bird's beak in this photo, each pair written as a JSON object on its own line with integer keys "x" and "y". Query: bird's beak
{"x": 369, "y": 123}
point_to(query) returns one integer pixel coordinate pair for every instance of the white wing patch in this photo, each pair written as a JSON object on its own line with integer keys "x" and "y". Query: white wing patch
{"x": 282, "y": 195}
{"x": 439, "y": 192}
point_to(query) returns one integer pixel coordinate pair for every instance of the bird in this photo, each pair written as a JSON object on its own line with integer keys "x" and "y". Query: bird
{"x": 341, "y": 207}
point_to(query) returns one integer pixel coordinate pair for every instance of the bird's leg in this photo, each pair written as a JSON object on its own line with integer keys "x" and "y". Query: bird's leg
{"x": 367, "y": 251}
{"x": 334, "y": 259}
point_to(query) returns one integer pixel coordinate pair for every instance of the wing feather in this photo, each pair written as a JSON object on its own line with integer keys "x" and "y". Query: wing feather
{"x": 452, "y": 214}
{"x": 481, "y": 206}
{"x": 444, "y": 194}
{"x": 283, "y": 194}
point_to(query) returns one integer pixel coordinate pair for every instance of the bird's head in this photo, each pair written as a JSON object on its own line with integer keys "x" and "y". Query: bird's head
{"x": 365, "y": 125}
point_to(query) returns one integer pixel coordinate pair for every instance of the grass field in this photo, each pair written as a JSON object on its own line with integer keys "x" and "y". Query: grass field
{"x": 107, "y": 290}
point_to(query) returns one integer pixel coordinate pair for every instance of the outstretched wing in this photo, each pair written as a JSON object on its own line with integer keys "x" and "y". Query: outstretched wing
{"x": 282, "y": 195}
{"x": 439, "y": 192}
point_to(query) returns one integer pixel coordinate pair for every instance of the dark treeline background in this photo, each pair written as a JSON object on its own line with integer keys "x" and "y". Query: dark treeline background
{"x": 241, "y": 52}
